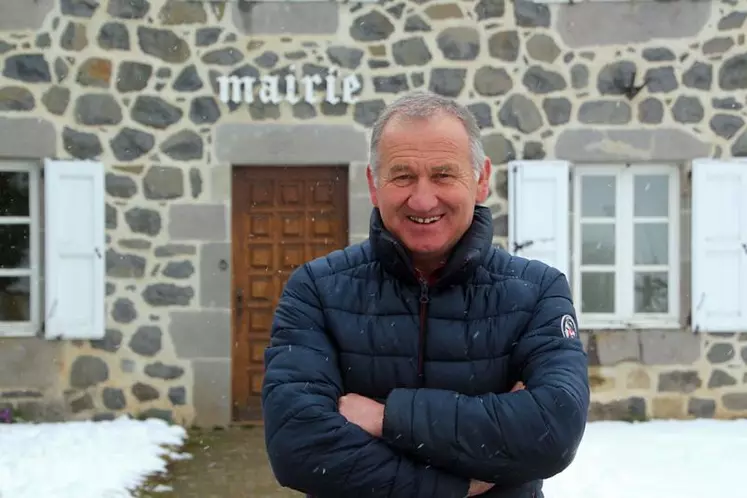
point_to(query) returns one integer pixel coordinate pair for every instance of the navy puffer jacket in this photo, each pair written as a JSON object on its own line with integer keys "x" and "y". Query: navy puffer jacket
{"x": 443, "y": 359}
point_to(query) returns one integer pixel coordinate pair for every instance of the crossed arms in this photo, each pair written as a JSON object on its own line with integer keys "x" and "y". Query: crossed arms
{"x": 506, "y": 439}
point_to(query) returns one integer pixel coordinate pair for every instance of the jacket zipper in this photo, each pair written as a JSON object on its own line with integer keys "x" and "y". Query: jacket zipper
{"x": 423, "y": 330}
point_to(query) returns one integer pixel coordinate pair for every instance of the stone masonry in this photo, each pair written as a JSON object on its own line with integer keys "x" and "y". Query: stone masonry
{"x": 132, "y": 83}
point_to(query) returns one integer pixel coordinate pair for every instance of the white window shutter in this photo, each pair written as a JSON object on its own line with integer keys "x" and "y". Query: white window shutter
{"x": 719, "y": 245}
{"x": 539, "y": 210}
{"x": 74, "y": 269}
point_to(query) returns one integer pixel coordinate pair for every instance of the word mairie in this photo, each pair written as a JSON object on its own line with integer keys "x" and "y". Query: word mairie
{"x": 238, "y": 89}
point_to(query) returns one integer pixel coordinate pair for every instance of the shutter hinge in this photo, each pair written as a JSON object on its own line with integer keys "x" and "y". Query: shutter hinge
{"x": 519, "y": 246}
{"x": 689, "y": 323}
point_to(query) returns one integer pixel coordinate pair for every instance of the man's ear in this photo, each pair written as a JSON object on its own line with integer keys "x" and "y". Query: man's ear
{"x": 483, "y": 182}
{"x": 372, "y": 186}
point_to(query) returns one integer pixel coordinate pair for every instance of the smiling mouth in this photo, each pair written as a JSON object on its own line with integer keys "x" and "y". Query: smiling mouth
{"x": 424, "y": 221}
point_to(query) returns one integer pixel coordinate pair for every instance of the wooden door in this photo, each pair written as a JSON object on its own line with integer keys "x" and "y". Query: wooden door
{"x": 282, "y": 218}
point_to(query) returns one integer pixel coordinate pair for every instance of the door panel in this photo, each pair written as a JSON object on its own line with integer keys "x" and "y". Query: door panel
{"x": 282, "y": 218}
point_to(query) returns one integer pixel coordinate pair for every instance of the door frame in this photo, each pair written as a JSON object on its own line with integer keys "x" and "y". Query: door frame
{"x": 344, "y": 171}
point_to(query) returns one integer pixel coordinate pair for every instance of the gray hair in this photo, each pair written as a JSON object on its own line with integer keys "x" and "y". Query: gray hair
{"x": 423, "y": 105}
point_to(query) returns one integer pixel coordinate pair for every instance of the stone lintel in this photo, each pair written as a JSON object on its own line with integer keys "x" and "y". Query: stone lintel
{"x": 590, "y": 24}
{"x": 267, "y": 144}
{"x": 27, "y": 137}
{"x": 20, "y": 16}
{"x": 662, "y": 144}
{"x": 286, "y": 18}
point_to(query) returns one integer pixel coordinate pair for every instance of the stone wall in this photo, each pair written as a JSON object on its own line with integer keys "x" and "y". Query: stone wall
{"x": 133, "y": 84}
{"x": 672, "y": 374}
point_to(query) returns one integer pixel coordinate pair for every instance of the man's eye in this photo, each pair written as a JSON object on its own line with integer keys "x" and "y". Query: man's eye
{"x": 442, "y": 176}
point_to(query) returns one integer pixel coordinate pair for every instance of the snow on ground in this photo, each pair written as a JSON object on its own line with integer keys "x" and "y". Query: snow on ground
{"x": 658, "y": 459}
{"x": 82, "y": 459}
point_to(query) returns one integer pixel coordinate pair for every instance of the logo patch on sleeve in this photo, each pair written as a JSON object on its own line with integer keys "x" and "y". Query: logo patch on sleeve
{"x": 568, "y": 327}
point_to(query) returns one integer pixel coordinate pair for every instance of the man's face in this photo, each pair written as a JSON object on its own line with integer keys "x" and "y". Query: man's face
{"x": 427, "y": 188}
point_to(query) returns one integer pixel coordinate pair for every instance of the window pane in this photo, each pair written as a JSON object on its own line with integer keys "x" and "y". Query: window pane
{"x": 597, "y": 196}
{"x": 15, "y": 305}
{"x": 14, "y": 200}
{"x": 14, "y": 246}
{"x": 598, "y": 244}
{"x": 651, "y": 243}
{"x": 651, "y": 292}
{"x": 597, "y": 292}
{"x": 651, "y": 195}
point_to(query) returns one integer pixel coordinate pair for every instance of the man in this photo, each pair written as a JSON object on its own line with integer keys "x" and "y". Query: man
{"x": 392, "y": 362}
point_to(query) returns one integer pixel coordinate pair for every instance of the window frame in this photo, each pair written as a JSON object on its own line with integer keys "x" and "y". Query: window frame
{"x": 624, "y": 268}
{"x": 29, "y": 328}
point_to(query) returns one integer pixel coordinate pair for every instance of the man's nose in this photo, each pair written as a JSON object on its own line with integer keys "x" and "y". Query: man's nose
{"x": 423, "y": 197}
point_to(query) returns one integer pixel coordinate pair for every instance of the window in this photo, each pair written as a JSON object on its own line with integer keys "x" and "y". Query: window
{"x": 621, "y": 240}
{"x": 625, "y": 248}
{"x": 19, "y": 248}
{"x": 71, "y": 304}
{"x": 612, "y": 229}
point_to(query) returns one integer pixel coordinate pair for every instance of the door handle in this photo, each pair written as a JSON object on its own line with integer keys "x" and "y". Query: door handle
{"x": 239, "y": 300}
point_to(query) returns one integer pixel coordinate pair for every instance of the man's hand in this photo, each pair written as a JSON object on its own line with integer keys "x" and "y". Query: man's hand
{"x": 364, "y": 412}
{"x": 477, "y": 488}
{"x": 518, "y": 387}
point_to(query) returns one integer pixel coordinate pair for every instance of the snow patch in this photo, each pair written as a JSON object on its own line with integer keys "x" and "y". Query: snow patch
{"x": 83, "y": 459}
{"x": 657, "y": 459}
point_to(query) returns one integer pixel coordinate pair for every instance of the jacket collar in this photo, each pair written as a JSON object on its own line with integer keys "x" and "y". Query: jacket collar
{"x": 465, "y": 258}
